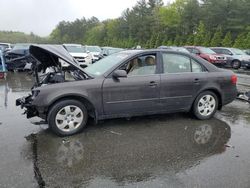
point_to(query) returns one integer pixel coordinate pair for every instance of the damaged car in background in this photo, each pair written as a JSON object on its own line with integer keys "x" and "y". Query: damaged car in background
{"x": 124, "y": 84}
{"x": 18, "y": 58}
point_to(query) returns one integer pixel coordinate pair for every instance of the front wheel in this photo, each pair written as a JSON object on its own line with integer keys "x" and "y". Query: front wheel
{"x": 67, "y": 117}
{"x": 205, "y": 105}
{"x": 236, "y": 64}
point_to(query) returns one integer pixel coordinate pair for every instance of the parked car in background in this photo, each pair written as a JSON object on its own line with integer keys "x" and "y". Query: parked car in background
{"x": 236, "y": 57}
{"x": 18, "y": 58}
{"x": 79, "y": 53}
{"x": 175, "y": 48}
{"x": 247, "y": 51}
{"x": 2, "y": 65}
{"x": 106, "y": 51}
{"x": 208, "y": 54}
{"x": 95, "y": 51}
{"x": 125, "y": 84}
{"x": 5, "y": 47}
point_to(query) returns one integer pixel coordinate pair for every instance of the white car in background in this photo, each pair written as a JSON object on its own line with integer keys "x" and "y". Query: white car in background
{"x": 79, "y": 53}
{"x": 5, "y": 46}
{"x": 95, "y": 51}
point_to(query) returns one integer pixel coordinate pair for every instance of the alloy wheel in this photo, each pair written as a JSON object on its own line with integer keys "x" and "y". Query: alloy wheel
{"x": 206, "y": 105}
{"x": 69, "y": 118}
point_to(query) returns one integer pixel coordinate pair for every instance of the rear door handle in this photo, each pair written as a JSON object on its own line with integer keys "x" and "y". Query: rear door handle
{"x": 153, "y": 84}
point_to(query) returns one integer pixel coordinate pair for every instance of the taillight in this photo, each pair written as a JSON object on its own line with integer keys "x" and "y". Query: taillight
{"x": 234, "y": 79}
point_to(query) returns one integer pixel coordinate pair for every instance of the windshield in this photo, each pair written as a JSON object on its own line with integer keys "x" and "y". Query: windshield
{"x": 75, "y": 49}
{"x": 21, "y": 46}
{"x": 93, "y": 48}
{"x": 206, "y": 51}
{"x": 238, "y": 51}
{"x": 103, "y": 65}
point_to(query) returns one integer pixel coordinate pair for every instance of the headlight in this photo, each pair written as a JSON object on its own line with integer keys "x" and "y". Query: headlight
{"x": 212, "y": 57}
{"x": 35, "y": 93}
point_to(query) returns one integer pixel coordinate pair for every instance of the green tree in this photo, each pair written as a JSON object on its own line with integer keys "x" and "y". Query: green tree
{"x": 227, "y": 41}
{"x": 217, "y": 38}
{"x": 199, "y": 37}
{"x": 151, "y": 23}
{"x": 207, "y": 39}
{"x": 240, "y": 41}
{"x": 190, "y": 40}
{"x": 247, "y": 41}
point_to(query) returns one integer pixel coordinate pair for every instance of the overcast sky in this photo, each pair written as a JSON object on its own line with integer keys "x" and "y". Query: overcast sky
{"x": 41, "y": 16}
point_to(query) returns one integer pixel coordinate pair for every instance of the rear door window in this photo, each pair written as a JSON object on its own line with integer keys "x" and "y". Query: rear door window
{"x": 218, "y": 51}
{"x": 225, "y": 51}
{"x": 175, "y": 63}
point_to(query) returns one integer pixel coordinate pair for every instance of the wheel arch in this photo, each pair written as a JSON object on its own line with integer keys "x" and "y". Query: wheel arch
{"x": 234, "y": 60}
{"x": 216, "y": 92}
{"x": 89, "y": 105}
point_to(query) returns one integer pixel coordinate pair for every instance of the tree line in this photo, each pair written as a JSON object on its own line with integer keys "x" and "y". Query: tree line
{"x": 20, "y": 37}
{"x": 150, "y": 23}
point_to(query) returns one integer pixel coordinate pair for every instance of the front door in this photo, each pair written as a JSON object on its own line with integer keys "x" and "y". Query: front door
{"x": 138, "y": 92}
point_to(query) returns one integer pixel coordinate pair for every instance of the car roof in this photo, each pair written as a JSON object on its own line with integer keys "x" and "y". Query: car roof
{"x": 92, "y": 46}
{"x": 134, "y": 52}
{"x": 220, "y": 48}
{"x": 72, "y": 45}
{"x": 195, "y": 47}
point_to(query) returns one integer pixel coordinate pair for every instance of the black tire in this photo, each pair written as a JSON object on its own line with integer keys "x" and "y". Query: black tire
{"x": 236, "y": 64}
{"x": 197, "y": 106}
{"x": 58, "y": 108}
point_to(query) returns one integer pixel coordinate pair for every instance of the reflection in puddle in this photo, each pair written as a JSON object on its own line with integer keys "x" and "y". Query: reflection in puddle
{"x": 147, "y": 150}
{"x": 14, "y": 82}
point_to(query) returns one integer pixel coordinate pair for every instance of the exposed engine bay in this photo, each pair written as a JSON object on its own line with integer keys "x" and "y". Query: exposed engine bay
{"x": 53, "y": 64}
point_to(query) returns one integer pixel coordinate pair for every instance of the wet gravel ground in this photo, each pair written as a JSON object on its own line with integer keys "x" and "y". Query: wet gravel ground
{"x": 172, "y": 150}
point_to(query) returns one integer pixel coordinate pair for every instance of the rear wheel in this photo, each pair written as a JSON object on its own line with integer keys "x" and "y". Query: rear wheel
{"x": 205, "y": 105}
{"x": 67, "y": 117}
{"x": 236, "y": 64}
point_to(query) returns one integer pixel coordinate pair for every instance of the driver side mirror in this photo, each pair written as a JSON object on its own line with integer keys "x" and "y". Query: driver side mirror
{"x": 120, "y": 74}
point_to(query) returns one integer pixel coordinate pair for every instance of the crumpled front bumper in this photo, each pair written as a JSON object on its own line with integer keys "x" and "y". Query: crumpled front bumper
{"x": 26, "y": 103}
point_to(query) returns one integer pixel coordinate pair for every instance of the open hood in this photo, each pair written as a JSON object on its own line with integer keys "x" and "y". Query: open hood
{"x": 52, "y": 65}
{"x": 49, "y": 55}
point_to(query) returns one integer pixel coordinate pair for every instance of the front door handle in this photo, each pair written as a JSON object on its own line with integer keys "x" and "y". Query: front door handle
{"x": 196, "y": 80}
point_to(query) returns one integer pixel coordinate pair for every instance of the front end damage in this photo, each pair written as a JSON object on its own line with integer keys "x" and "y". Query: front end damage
{"x": 52, "y": 65}
{"x": 26, "y": 103}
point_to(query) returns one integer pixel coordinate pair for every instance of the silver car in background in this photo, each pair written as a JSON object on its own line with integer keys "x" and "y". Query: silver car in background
{"x": 95, "y": 52}
{"x": 79, "y": 54}
{"x": 236, "y": 58}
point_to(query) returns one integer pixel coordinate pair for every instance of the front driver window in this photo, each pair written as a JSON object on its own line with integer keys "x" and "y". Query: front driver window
{"x": 141, "y": 65}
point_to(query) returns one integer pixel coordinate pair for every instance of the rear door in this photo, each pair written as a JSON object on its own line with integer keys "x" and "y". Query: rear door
{"x": 139, "y": 92}
{"x": 181, "y": 79}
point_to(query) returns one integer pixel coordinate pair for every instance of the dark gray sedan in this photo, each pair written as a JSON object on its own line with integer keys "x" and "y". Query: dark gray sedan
{"x": 124, "y": 84}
